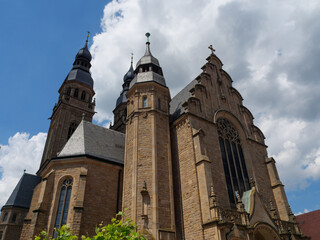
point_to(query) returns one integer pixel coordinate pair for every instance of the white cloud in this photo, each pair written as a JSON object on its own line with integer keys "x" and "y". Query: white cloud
{"x": 270, "y": 48}
{"x": 304, "y": 211}
{"x": 22, "y": 152}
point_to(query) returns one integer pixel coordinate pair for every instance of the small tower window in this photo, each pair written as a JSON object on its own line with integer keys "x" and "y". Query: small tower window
{"x": 76, "y": 92}
{"x": 63, "y": 205}
{"x": 83, "y": 95}
{"x": 68, "y": 91}
{"x": 72, "y": 128}
{"x": 159, "y": 103}
{"x": 144, "y": 101}
{"x": 14, "y": 217}
{"x": 5, "y": 217}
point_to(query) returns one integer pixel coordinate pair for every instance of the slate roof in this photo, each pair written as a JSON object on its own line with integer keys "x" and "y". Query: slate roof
{"x": 96, "y": 141}
{"x": 176, "y": 102}
{"x": 80, "y": 75}
{"x": 147, "y": 57}
{"x": 22, "y": 193}
{"x": 148, "y": 77}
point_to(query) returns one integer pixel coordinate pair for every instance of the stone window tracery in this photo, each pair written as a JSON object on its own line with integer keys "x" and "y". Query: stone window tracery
{"x": 63, "y": 204}
{"x": 233, "y": 159}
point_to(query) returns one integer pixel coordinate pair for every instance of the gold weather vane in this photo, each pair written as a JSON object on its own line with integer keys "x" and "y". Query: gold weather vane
{"x": 131, "y": 57}
{"x": 88, "y": 36}
{"x": 211, "y": 48}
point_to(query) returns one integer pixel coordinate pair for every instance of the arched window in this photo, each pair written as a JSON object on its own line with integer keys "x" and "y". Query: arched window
{"x": 233, "y": 160}
{"x": 76, "y": 92}
{"x": 5, "y": 217}
{"x": 72, "y": 128}
{"x": 144, "y": 101}
{"x": 83, "y": 95}
{"x": 63, "y": 205}
{"x": 68, "y": 91}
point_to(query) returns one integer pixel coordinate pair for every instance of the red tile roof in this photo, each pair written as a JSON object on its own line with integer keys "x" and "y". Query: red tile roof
{"x": 310, "y": 224}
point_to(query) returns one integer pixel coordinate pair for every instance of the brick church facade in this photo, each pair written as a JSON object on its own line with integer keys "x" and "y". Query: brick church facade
{"x": 189, "y": 167}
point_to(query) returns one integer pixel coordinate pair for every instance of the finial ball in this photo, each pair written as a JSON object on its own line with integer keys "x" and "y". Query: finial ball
{"x": 148, "y": 34}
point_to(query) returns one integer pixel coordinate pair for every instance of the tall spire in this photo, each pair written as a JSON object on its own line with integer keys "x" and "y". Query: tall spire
{"x": 127, "y": 78}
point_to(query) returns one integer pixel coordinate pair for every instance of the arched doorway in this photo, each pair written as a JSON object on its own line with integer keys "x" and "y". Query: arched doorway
{"x": 265, "y": 232}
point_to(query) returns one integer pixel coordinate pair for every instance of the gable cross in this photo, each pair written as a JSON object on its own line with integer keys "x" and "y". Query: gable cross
{"x": 211, "y": 48}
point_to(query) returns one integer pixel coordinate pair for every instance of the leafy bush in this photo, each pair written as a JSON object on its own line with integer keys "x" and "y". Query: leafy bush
{"x": 119, "y": 229}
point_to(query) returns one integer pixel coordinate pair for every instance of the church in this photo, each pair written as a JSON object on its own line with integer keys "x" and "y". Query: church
{"x": 189, "y": 167}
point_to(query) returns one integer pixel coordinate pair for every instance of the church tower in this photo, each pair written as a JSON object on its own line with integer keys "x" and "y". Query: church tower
{"x": 75, "y": 102}
{"x": 148, "y": 187}
{"x": 120, "y": 111}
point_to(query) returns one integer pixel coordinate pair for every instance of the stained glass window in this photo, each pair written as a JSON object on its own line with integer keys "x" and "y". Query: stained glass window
{"x": 63, "y": 204}
{"x": 233, "y": 160}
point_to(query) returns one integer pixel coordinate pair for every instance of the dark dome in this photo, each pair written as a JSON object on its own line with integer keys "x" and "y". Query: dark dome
{"x": 84, "y": 53}
{"x": 129, "y": 75}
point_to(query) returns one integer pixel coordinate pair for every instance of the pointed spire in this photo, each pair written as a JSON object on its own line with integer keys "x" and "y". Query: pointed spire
{"x": 130, "y": 74}
{"x": 84, "y": 52}
{"x": 87, "y": 37}
{"x": 148, "y": 52}
{"x": 148, "y": 68}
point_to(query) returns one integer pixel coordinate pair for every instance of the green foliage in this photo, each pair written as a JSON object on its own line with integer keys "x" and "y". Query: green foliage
{"x": 119, "y": 229}
{"x": 63, "y": 233}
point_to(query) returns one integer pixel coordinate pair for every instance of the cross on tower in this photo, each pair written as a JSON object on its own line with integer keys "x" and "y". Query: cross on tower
{"x": 211, "y": 48}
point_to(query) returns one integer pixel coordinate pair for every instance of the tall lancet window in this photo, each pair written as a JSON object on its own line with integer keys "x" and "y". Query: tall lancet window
{"x": 233, "y": 160}
{"x": 63, "y": 205}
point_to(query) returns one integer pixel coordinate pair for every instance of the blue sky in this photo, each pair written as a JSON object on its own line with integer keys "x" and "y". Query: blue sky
{"x": 39, "y": 41}
{"x": 269, "y": 48}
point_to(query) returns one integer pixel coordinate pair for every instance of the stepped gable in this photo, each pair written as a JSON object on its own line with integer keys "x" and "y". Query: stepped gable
{"x": 22, "y": 194}
{"x": 95, "y": 141}
{"x": 219, "y": 80}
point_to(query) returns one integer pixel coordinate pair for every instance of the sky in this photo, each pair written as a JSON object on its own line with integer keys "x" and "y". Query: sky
{"x": 270, "y": 48}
